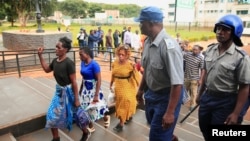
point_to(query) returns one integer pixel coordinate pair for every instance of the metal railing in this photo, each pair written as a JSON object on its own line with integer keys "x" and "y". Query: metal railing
{"x": 19, "y": 60}
{"x": 22, "y": 60}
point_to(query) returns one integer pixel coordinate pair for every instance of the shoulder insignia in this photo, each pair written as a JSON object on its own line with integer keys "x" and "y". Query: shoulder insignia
{"x": 241, "y": 51}
{"x": 210, "y": 45}
{"x": 169, "y": 43}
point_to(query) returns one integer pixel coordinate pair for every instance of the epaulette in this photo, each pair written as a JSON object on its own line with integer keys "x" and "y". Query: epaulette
{"x": 241, "y": 51}
{"x": 210, "y": 45}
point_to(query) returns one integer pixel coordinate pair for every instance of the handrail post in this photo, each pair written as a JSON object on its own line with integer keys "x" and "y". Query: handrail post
{"x": 34, "y": 55}
{"x": 18, "y": 66}
{"x": 74, "y": 56}
{"x": 110, "y": 58}
{"x": 4, "y": 65}
{"x": 49, "y": 57}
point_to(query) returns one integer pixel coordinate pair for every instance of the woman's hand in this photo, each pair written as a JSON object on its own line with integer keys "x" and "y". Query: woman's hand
{"x": 139, "y": 96}
{"x": 96, "y": 99}
{"x": 40, "y": 50}
{"x": 77, "y": 103}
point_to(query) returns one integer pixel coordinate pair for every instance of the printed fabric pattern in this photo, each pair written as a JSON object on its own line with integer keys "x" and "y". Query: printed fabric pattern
{"x": 60, "y": 111}
{"x": 95, "y": 110}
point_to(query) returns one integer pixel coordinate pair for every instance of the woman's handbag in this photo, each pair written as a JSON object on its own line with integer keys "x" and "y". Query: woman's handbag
{"x": 111, "y": 98}
{"x": 82, "y": 118}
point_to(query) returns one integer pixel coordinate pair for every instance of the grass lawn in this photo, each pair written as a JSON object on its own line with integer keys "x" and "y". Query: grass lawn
{"x": 192, "y": 34}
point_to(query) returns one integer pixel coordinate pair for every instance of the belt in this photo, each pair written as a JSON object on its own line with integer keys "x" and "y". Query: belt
{"x": 163, "y": 91}
{"x": 219, "y": 94}
{"x": 122, "y": 77}
{"x": 127, "y": 77}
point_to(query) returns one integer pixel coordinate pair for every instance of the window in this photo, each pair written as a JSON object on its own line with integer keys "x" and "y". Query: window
{"x": 243, "y": 1}
{"x": 242, "y": 12}
{"x": 171, "y": 13}
{"x": 171, "y": 5}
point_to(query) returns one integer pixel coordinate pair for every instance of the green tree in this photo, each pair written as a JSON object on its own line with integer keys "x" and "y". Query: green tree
{"x": 73, "y": 8}
{"x": 24, "y": 9}
{"x": 94, "y": 8}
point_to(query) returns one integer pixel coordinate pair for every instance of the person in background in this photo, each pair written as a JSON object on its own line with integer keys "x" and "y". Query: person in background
{"x": 136, "y": 43}
{"x": 122, "y": 34}
{"x": 85, "y": 41}
{"x": 163, "y": 76}
{"x": 178, "y": 37}
{"x": 125, "y": 79}
{"x": 80, "y": 38}
{"x": 66, "y": 95}
{"x": 90, "y": 89}
{"x": 92, "y": 40}
{"x": 225, "y": 77}
{"x": 109, "y": 45}
{"x": 128, "y": 37}
{"x": 100, "y": 35}
{"x": 193, "y": 65}
{"x": 116, "y": 38}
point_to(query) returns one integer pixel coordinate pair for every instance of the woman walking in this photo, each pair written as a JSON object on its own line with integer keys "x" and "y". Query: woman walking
{"x": 91, "y": 96}
{"x": 66, "y": 99}
{"x": 125, "y": 79}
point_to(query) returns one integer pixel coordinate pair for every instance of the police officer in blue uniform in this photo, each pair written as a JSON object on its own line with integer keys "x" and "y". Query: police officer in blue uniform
{"x": 225, "y": 77}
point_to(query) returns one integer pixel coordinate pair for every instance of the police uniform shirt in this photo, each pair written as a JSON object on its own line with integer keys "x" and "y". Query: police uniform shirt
{"x": 162, "y": 61}
{"x": 226, "y": 71}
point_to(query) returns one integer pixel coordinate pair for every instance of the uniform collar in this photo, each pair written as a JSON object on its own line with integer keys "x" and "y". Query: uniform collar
{"x": 158, "y": 38}
{"x": 230, "y": 50}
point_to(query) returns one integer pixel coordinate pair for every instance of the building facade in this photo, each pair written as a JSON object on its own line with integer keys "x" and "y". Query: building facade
{"x": 207, "y": 12}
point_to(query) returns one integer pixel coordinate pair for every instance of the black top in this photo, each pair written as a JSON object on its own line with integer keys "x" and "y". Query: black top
{"x": 62, "y": 70}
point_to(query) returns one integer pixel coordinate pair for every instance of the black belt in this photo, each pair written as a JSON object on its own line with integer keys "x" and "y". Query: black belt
{"x": 122, "y": 77}
{"x": 219, "y": 94}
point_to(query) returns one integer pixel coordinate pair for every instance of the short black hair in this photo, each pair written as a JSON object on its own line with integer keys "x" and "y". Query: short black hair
{"x": 88, "y": 51}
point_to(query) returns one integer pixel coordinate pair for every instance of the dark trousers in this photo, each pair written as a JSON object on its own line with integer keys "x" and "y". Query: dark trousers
{"x": 214, "y": 110}
{"x": 100, "y": 45}
{"x": 155, "y": 107}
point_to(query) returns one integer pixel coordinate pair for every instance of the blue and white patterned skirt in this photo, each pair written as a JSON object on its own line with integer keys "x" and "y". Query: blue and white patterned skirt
{"x": 95, "y": 110}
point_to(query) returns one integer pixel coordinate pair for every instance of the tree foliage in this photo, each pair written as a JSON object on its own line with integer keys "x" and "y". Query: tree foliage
{"x": 73, "y": 8}
{"x": 79, "y": 8}
{"x": 24, "y": 9}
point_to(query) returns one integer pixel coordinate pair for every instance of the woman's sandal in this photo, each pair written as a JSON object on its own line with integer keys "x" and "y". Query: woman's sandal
{"x": 107, "y": 122}
{"x": 91, "y": 130}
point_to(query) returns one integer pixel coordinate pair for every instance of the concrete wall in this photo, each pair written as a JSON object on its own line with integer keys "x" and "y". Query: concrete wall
{"x": 16, "y": 40}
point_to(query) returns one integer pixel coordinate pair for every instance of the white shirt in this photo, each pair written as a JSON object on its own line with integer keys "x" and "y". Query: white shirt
{"x": 127, "y": 37}
{"x": 136, "y": 41}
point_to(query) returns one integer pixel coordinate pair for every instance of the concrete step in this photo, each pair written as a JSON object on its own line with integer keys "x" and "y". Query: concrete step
{"x": 43, "y": 135}
{"x": 22, "y": 106}
{"x": 100, "y": 133}
{"x": 7, "y": 137}
{"x": 184, "y": 132}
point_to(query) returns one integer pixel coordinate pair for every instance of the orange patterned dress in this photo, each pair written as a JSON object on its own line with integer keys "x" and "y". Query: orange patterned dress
{"x": 126, "y": 81}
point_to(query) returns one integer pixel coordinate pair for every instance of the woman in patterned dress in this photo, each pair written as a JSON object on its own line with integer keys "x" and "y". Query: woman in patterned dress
{"x": 91, "y": 96}
{"x": 126, "y": 80}
{"x": 66, "y": 99}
